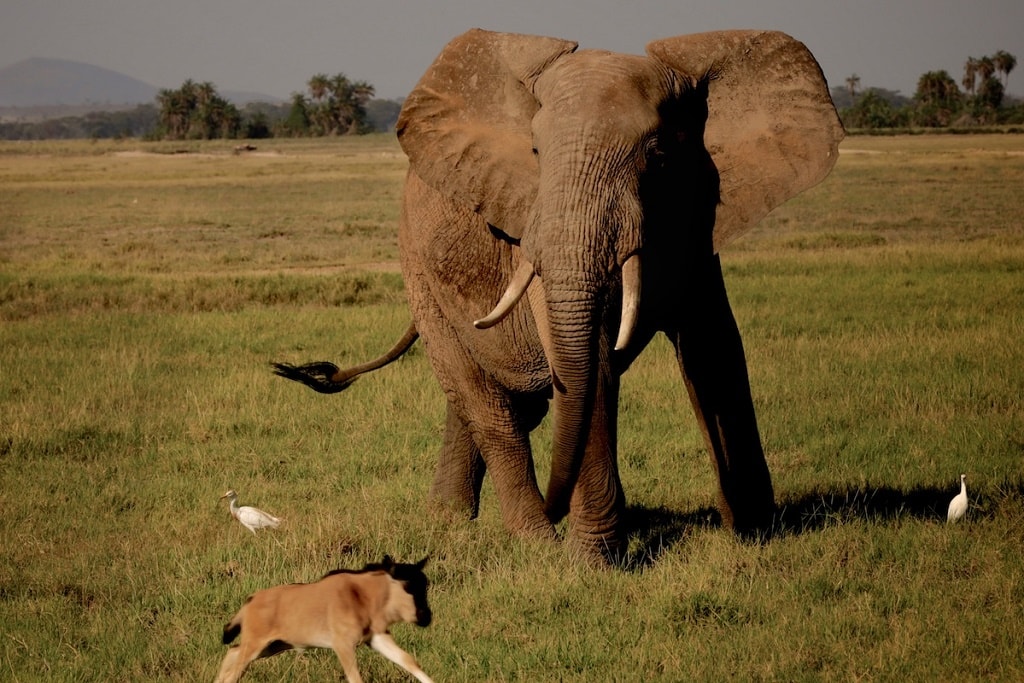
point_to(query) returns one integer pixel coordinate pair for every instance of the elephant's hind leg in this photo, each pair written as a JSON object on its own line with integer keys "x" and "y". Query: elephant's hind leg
{"x": 460, "y": 469}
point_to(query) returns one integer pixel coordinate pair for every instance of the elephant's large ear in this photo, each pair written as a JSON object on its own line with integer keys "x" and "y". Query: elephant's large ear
{"x": 466, "y": 125}
{"x": 772, "y": 129}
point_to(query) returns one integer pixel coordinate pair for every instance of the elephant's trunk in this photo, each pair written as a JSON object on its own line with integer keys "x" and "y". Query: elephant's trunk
{"x": 581, "y": 321}
{"x": 584, "y": 479}
{"x": 573, "y": 321}
{"x": 585, "y": 235}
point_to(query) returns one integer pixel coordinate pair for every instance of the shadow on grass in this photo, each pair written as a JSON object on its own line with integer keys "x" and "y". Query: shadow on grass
{"x": 652, "y": 531}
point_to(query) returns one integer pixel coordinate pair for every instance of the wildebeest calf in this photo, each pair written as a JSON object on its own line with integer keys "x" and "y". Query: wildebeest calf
{"x": 341, "y": 611}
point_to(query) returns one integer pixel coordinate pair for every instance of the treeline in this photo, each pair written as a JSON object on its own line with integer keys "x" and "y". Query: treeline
{"x": 334, "y": 105}
{"x": 196, "y": 111}
{"x": 938, "y": 101}
{"x": 138, "y": 122}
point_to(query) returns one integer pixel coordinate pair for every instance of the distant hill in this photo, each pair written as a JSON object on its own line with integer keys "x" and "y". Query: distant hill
{"x": 41, "y": 82}
{"x": 35, "y": 82}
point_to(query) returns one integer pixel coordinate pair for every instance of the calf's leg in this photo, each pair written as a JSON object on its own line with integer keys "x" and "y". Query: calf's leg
{"x": 346, "y": 652}
{"x": 386, "y": 645}
{"x": 232, "y": 667}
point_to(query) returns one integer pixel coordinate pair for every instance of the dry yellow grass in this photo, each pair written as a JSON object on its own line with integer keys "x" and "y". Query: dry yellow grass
{"x": 142, "y": 296}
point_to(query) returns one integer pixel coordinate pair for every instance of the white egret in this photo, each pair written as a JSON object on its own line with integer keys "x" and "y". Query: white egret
{"x": 958, "y": 506}
{"x": 250, "y": 517}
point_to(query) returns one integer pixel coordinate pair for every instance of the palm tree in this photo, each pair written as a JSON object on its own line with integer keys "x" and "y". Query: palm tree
{"x": 166, "y": 98}
{"x": 944, "y": 87}
{"x": 298, "y": 121}
{"x": 970, "y": 75}
{"x": 362, "y": 93}
{"x": 205, "y": 92}
{"x": 938, "y": 97}
{"x": 852, "y": 83}
{"x": 175, "y": 111}
{"x": 986, "y": 68}
{"x": 207, "y": 110}
{"x": 189, "y": 93}
{"x": 319, "y": 110}
{"x": 228, "y": 119}
{"x": 337, "y": 105}
{"x": 1004, "y": 63}
{"x": 341, "y": 103}
{"x": 319, "y": 84}
{"x": 990, "y": 89}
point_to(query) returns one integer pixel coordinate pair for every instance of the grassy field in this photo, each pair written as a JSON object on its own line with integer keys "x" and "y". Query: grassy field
{"x": 144, "y": 288}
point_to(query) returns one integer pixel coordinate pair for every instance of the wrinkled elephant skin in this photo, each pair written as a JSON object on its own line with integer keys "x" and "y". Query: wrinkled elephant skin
{"x": 562, "y": 207}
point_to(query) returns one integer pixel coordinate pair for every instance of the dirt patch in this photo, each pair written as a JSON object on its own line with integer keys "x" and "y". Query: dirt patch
{"x": 138, "y": 153}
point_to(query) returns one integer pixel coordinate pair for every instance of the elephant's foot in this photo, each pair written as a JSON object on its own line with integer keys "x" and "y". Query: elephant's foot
{"x": 598, "y": 549}
{"x": 754, "y": 525}
{"x": 752, "y": 515}
{"x": 532, "y": 526}
{"x": 452, "y": 509}
{"x": 456, "y": 509}
{"x": 458, "y": 500}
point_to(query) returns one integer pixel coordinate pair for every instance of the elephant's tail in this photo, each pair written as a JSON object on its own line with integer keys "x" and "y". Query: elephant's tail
{"x": 327, "y": 378}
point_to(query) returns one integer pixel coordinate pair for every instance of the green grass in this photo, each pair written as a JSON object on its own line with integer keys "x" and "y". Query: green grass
{"x": 143, "y": 293}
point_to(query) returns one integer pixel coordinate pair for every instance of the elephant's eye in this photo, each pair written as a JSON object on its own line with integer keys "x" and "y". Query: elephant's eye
{"x": 656, "y": 157}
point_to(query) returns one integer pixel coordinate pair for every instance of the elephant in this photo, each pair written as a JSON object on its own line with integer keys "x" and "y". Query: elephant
{"x": 561, "y": 208}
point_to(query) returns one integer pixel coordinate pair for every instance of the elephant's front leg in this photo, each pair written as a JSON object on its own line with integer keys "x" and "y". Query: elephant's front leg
{"x": 505, "y": 448}
{"x": 497, "y": 427}
{"x": 460, "y": 469}
{"x": 710, "y": 354}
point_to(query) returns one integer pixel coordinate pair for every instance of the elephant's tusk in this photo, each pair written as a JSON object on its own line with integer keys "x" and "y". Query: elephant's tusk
{"x": 516, "y": 288}
{"x": 539, "y": 307}
{"x": 630, "y": 300}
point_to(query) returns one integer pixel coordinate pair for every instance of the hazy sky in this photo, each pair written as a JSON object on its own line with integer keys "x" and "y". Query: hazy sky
{"x": 274, "y": 46}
